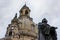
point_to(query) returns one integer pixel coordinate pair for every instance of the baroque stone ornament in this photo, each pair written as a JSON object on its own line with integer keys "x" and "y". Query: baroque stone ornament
{"x": 22, "y": 27}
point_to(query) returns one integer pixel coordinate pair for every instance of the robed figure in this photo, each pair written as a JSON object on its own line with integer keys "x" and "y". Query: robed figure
{"x": 45, "y": 31}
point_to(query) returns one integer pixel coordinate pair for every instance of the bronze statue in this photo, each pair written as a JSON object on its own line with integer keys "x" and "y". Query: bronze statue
{"x": 47, "y": 31}
{"x": 53, "y": 33}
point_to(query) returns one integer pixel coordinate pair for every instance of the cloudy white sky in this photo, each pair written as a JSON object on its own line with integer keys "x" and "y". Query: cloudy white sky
{"x": 49, "y": 9}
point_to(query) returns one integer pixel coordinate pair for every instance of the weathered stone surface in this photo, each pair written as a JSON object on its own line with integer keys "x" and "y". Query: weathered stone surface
{"x": 23, "y": 27}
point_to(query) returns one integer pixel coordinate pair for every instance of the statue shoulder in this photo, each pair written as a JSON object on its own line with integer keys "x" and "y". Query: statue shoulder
{"x": 39, "y": 24}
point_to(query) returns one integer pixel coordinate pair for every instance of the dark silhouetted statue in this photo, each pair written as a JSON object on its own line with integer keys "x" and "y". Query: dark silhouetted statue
{"x": 53, "y": 33}
{"x": 47, "y": 31}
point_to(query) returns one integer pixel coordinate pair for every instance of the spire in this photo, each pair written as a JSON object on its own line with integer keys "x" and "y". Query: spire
{"x": 15, "y": 18}
{"x": 25, "y": 4}
{"x": 15, "y": 15}
{"x": 24, "y": 7}
{"x": 25, "y": 1}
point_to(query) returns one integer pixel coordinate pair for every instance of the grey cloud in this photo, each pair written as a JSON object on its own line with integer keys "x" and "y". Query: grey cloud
{"x": 5, "y": 3}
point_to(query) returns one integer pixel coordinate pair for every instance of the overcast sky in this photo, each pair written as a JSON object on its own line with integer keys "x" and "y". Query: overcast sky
{"x": 49, "y": 9}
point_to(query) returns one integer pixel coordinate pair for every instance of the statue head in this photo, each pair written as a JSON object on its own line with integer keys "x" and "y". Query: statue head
{"x": 44, "y": 20}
